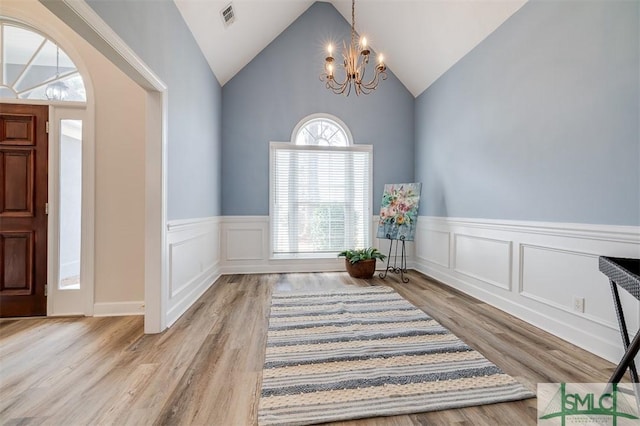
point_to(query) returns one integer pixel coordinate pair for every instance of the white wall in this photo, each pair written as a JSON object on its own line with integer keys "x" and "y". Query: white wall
{"x": 119, "y": 140}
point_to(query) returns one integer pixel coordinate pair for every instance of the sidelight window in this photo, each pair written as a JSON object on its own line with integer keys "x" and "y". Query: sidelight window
{"x": 70, "y": 199}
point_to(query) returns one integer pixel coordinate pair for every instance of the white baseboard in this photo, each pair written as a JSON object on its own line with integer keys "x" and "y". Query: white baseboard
{"x": 193, "y": 257}
{"x": 116, "y": 309}
{"x": 534, "y": 271}
{"x": 197, "y": 287}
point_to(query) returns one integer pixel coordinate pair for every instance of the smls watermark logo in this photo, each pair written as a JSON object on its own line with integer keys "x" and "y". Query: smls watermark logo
{"x": 587, "y": 404}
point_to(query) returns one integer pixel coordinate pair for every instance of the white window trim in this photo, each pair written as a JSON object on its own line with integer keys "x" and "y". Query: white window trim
{"x": 316, "y": 116}
{"x": 273, "y": 146}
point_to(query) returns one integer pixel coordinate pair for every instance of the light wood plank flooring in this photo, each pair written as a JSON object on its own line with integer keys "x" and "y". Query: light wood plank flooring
{"x": 205, "y": 370}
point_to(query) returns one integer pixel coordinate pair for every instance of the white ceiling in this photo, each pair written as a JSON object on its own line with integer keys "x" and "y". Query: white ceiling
{"x": 420, "y": 39}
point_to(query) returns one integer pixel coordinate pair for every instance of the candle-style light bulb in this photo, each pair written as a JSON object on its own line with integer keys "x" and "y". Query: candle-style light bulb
{"x": 329, "y": 58}
{"x": 380, "y": 58}
{"x": 364, "y": 49}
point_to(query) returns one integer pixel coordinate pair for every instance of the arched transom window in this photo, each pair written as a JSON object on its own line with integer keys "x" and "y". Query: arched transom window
{"x": 35, "y": 67}
{"x": 320, "y": 190}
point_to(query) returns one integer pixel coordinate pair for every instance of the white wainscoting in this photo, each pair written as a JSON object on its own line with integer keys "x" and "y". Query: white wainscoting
{"x": 484, "y": 259}
{"x": 193, "y": 255}
{"x": 535, "y": 271}
{"x": 245, "y": 249}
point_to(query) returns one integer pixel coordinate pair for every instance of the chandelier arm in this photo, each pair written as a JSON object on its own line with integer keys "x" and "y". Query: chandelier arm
{"x": 373, "y": 84}
{"x": 367, "y": 88}
{"x": 333, "y": 85}
{"x": 335, "y": 88}
{"x": 338, "y": 84}
{"x": 363, "y": 71}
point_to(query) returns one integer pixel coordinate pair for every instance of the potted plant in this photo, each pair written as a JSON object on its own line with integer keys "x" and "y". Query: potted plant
{"x": 361, "y": 263}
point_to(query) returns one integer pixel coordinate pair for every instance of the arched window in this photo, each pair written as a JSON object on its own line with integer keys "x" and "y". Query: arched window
{"x": 322, "y": 130}
{"x": 35, "y": 67}
{"x": 320, "y": 190}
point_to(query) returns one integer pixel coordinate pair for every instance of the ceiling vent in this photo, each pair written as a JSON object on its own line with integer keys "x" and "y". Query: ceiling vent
{"x": 228, "y": 15}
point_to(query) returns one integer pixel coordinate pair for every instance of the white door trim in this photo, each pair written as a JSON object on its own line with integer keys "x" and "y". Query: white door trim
{"x": 86, "y": 22}
{"x": 84, "y": 305}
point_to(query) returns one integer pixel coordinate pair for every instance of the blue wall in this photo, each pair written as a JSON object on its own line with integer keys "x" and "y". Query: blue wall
{"x": 280, "y": 86}
{"x": 540, "y": 121}
{"x": 157, "y": 33}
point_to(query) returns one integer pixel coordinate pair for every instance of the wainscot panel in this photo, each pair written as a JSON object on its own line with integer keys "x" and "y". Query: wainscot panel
{"x": 435, "y": 246}
{"x": 485, "y": 259}
{"x": 245, "y": 249}
{"x": 544, "y": 273}
{"x": 193, "y": 253}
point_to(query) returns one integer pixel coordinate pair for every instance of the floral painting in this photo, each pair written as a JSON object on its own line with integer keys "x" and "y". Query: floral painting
{"x": 399, "y": 211}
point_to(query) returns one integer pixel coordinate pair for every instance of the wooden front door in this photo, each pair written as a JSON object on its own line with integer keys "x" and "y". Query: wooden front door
{"x": 23, "y": 216}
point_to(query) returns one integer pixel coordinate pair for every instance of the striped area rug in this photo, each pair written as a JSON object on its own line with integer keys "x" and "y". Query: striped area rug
{"x": 367, "y": 352}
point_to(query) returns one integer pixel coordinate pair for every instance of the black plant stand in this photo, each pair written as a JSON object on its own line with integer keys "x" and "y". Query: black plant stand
{"x": 402, "y": 269}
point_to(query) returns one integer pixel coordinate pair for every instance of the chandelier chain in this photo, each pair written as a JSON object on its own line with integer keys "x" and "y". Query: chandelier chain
{"x": 353, "y": 21}
{"x": 57, "y": 61}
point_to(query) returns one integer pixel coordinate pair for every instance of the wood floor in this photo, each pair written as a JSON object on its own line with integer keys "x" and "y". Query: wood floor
{"x": 205, "y": 370}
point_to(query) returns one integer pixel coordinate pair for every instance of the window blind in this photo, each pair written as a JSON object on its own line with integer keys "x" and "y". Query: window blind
{"x": 320, "y": 198}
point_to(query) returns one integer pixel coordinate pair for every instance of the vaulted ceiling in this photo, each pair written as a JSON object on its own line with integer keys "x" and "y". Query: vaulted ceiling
{"x": 421, "y": 39}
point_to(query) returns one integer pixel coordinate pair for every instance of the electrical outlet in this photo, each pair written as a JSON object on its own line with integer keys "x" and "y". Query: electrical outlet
{"x": 578, "y": 304}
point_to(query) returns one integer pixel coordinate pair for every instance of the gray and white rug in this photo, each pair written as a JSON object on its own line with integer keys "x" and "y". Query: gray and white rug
{"x": 367, "y": 352}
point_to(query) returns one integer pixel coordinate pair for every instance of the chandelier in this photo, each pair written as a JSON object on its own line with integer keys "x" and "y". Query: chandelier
{"x": 356, "y": 59}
